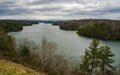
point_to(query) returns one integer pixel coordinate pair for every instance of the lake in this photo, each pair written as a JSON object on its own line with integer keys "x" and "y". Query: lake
{"x": 68, "y": 42}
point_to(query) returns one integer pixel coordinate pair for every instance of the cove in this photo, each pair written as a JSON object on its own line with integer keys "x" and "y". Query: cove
{"x": 68, "y": 42}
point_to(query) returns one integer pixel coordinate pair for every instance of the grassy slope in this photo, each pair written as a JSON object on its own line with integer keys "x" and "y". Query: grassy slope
{"x": 10, "y": 68}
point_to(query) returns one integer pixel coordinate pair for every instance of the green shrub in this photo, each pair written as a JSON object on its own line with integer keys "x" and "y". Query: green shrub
{"x": 55, "y": 72}
{"x": 6, "y": 41}
{"x": 25, "y": 50}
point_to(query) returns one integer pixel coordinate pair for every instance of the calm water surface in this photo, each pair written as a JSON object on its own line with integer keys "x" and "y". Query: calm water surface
{"x": 68, "y": 42}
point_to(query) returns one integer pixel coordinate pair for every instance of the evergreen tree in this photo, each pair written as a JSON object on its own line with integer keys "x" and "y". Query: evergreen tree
{"x": 105, "y": 56}
{"x": 96, "y": 56}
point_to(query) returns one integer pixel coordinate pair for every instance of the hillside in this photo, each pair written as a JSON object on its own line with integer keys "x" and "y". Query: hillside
{"x": 103, "y": 30}
{"x": 10, "y": 68}
{"x": 15, "y": 25}
{"x": 75, "y": 24}
{"x": 95, "y": 28}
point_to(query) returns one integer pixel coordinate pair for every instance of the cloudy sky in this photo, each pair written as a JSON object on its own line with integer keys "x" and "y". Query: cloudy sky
{"x": 59, "y": 9}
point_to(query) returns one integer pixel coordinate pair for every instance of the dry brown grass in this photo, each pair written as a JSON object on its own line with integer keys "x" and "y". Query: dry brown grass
{"x": 11, "y": 68}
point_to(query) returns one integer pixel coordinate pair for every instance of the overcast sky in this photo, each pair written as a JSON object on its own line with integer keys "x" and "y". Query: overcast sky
{"x": 59, "y": 9}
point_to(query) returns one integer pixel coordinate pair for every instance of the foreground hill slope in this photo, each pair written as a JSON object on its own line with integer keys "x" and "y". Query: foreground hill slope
{"x": 10, "y": 68}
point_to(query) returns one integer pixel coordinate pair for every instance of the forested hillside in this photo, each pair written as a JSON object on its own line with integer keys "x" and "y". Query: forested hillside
{"x": 95, "y": 28}
{"x": 104, "y": 30}
{"x": 14, "y": 25}
{"x": 75, "y": 24}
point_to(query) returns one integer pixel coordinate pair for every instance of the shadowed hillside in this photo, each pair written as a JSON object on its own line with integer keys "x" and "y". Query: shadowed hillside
{"x": 15, "y": 25}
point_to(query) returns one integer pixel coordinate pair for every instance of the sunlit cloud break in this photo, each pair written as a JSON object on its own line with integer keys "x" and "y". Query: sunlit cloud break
{"x": 59, "y": 9}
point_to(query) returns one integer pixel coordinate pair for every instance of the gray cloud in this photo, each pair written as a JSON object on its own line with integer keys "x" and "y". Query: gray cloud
{"x": 38, "y": 2}
{"x": 41, "y": 9}
{"x": 112, "y": 10}
{"x": 103, "y": 11}
{"x": 15, "y": 11}
{"x": 48, "y": 9}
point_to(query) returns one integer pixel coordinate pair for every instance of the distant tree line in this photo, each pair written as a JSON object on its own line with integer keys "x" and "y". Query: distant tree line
{"x": 67, "y": 25}
{"x": 96, "y": 28}
{"x": 15, "y": 25}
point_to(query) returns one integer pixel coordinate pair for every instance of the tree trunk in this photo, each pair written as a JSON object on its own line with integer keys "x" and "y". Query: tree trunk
{"x": 103, "y": 70}
{"x": 92, "y": 66}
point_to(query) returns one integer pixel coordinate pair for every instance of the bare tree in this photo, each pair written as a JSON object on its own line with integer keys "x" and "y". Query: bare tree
{"x": 26, "y": 46}
{"x": 74, "y": 64}
{"x": 51, "y": 53}
{"x": 47, "y": 50}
